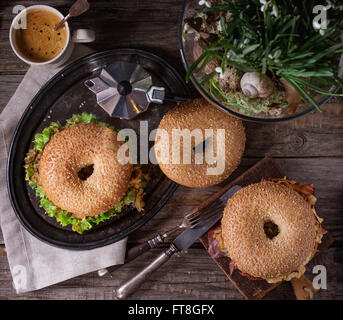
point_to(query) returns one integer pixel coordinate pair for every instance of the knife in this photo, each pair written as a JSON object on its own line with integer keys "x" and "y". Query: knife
{"x": 181, "y": 243}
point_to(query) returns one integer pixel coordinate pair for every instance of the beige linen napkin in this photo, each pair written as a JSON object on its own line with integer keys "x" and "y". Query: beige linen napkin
{"x": 34, "y": 264}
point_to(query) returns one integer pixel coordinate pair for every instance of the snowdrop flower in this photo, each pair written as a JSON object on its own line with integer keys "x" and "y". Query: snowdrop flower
{"x": 229, "y": 55}
{"x": 205, "y": 2}
{"x": 220, "y": 71}
{"x": 277, "y": 53}
{"x": 246, "y": 41}
{"x": 275, "y": 56}
{"x": 275, "y": 11}
{"x": 264, "y": 4}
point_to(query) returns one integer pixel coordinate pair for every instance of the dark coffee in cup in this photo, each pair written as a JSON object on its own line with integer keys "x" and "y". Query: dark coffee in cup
{"x": 39, "y": 42}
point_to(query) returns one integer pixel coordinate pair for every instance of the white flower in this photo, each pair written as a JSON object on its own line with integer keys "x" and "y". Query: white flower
{"x": 266, "y": 4}
{"x": 219, "y": 26}
{"x": 229, "y": 55}
{"x": 275, "y": 11}
{"x": 205, "y": 2}
{"x": 277, "y": 53}
{"x": 220, "y": 71}
{"x": 275, "y": 57}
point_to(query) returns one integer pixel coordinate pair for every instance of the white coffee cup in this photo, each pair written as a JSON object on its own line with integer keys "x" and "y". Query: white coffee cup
{"x": 78, "y": 36}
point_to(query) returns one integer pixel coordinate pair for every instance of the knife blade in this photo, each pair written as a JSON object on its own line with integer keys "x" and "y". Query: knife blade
{"x": 181, "y": 243}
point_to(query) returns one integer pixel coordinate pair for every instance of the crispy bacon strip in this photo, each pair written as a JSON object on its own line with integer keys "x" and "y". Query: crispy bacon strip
{"x": 216, "y": 247}
{"x": 30, "y": 156}
{"x": 305, "y": 190}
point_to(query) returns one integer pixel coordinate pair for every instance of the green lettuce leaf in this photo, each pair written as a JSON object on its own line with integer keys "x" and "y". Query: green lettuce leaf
{"x": 41, "y": 139}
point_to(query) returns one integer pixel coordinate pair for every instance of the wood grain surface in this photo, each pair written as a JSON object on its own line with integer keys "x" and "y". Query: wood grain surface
{"x": 309, "y": 150}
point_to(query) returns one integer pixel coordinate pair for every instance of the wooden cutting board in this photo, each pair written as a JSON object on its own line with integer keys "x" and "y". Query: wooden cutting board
{"x": 253, "y": 289}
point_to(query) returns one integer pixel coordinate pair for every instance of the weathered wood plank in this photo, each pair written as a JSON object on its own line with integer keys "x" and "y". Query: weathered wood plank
{"x": 187, "y": 276}
{"x": 146, "y": 24}
{"x": 319, "y": 171}
{"x": 8, "y": 85}
{"x": 314, "y": 135}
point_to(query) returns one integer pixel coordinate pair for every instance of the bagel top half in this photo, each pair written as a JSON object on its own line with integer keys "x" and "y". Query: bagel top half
{"x": 77, "y": 147}
{"x": 198, "y": 114}
{"x": 273, "y": 257}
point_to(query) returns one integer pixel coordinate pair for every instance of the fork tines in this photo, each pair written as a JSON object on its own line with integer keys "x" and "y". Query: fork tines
{"x": 194, "y": 218}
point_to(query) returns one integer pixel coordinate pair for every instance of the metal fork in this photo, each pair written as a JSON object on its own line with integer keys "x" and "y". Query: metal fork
{"x": 191, "y": 220}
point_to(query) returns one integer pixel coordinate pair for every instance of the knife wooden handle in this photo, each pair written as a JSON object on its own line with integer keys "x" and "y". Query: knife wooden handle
{"x": 134, "y": 283}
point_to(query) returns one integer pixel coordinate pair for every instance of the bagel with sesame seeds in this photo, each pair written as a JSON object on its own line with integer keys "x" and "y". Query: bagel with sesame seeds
{"x": 227, "y": 144}
{"x": 67, "y": 153}
{"x": 77, "y": 174}
{"x": 270, "y": 231}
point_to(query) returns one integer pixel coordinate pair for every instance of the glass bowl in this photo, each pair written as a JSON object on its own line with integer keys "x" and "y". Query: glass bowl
{"x": 187, "y": 40}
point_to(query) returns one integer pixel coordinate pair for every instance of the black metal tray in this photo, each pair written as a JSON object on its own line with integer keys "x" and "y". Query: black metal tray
{"x": 63, "y": 96}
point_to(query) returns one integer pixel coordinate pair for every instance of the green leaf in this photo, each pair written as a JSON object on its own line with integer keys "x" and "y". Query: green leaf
{"x": 315, "y": 88}
{"x": 223, "y": 25}
{"x": 226, "y": 98}
{"x": 203, "y": 65}
{"x": 303, "y": 93}
{"x": 251, "y": 48}
{"x": 324, "y": 53}
{"x": 47, "y": 205}
{"x": 194, "y": 65}
{"x": 41, "y": 139}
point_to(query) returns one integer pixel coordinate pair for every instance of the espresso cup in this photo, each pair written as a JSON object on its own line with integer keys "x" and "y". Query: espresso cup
{"x": 78, "y": 36}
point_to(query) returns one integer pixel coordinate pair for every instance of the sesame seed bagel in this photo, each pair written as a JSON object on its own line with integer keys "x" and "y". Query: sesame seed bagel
{"x": 277, "y": 258}
{"x": 75, "y": 148}
{"x": 198, "y": 115}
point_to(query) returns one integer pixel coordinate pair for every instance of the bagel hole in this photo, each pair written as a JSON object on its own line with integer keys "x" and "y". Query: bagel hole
{"x": 271, "y": 229}
{"x": 86, "y": 172}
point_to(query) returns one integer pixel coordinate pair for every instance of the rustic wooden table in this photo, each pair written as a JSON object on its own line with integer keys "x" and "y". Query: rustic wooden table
{"x": 309, "y": 149}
